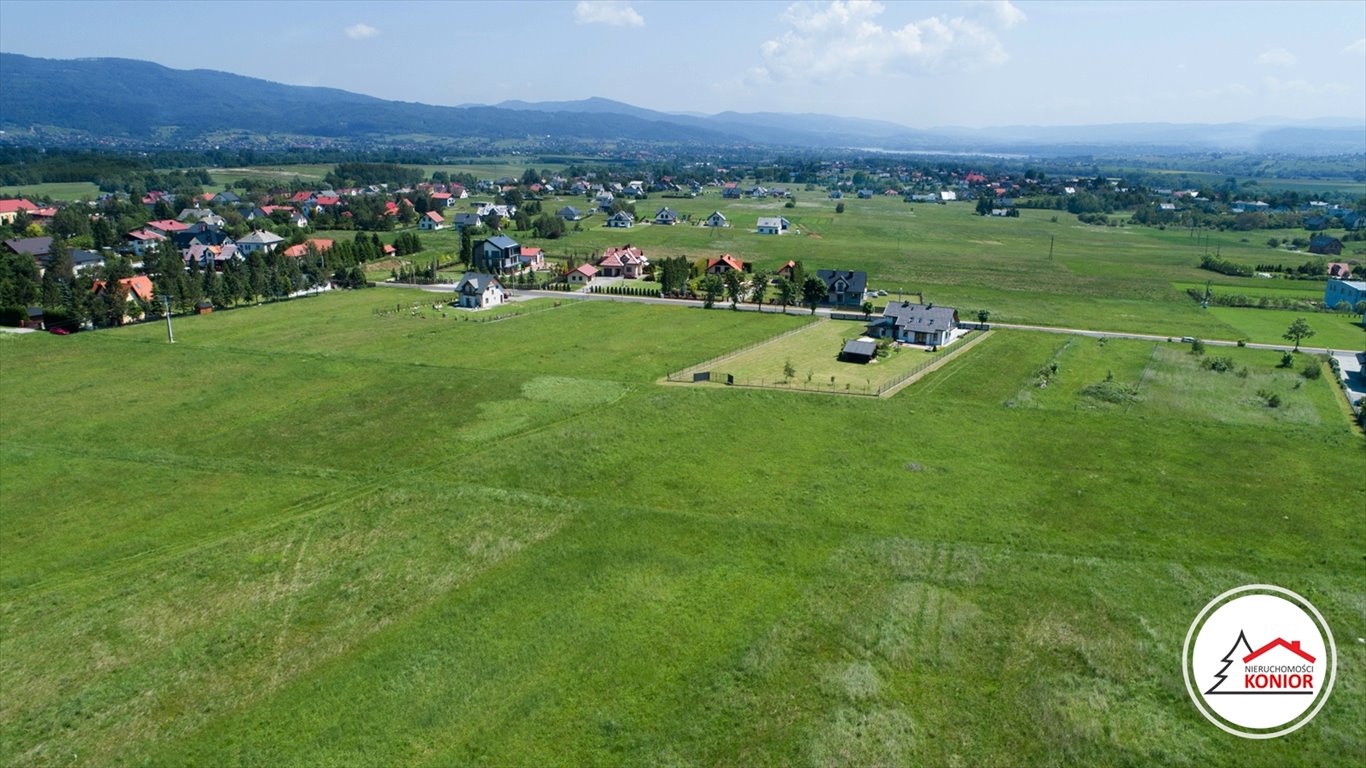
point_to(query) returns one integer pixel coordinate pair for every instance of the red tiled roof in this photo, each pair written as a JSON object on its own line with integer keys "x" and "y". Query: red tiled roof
{"x": 138, "y": 285}
{"x": 145, "y": 234}
{"x": 434, "y": 216}
{"x": 16, "y": 206}
{"x": 729, "y": 260}
{"x": 588, "y": 270}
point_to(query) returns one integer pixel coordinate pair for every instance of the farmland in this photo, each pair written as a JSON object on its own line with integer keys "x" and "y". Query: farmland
{"x": 311, "y": 533}
{"x": 1106, "y": 278}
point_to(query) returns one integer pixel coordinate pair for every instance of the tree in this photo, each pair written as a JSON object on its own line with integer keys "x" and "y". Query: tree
{"x": 711, "y": 288}
{"x": 983, "y": 315}
{"x": 867, "y": 310}
{"x": 758, "y": 286}
{"x": 839, "y": 207}
{"x": 735, "y": 285}
{"x": 1298, "y": 331}
{"x": 1360, "y": 308}
{"x": 813, "y": 292}
{"x": 788, "y": 370}
{"x": 787, "y": 292}
{"x": 466, "y": 246}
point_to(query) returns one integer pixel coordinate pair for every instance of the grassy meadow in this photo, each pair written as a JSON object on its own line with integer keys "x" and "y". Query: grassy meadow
{"x": 1104, "y": 278}
{"x": 311, "y": 533}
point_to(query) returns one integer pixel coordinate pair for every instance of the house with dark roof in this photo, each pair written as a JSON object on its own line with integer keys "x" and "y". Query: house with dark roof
{"x": 37, "y": 247}
{"x": 915, "y": 323}
{"x": 621, "y": 220}
{"x": 497, "y": 255}
{"x": 82, "y": 260}
{"x": 860, "y": 350}
{"x": 1325, "y": 245}
{"x": 844, "y": 288}
{"x": 667, "y": 217}
{"x": 477, "y": 290}
{"x": 570, "y": 213}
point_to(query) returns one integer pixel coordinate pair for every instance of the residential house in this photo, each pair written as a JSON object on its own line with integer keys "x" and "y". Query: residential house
{"x": 666, "y": 217}
{"x": 835, "y": 194}
{"x": 581, "y": 275}
{"x": 604, "y": 201}
{"x": 226, "y": 197}
{"x": 318, "y": 245}
{"x": 431, "y": 221}
{"x": 465, "y": 220}
{"x": 844, "y": 288}
{"x": 723, "y": 264}
{"x": 259, "y": 240}
{"x": 141, "y": 240}
{"x": 532, "y": 258}
{"x": 478, "y": 290}
{"x": 628, "y": 262}
{"x": 570, "y": 213}
{"x": 10, "y": 209}
{"x": 716, "y": 219}
{"x": 915, "y": 323}
{"x": 865, "y": 194}
{"x": 497, "y": 255}
{"x": 785, "y": 271}
{"x": 83, "y": 260}
{"x": 202, "y": 215}
{"x": 1323, "y": 244}
{"x": 166, "y": 227}
{"x": 948, "y": 196}
{"x": 201, "y": 233}
{"x": 1338, "y": 291}
{"x": 771, "y": 225}
{"x": 730, "y": 191}
{"x": 1338, "y": 270}
{"x": 37, "y": 247}
{"x": 140, "y": 293}
{"x": 621, "y": 220}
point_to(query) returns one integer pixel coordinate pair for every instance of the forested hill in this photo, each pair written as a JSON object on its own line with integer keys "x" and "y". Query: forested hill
{"x": 139, "y": 100}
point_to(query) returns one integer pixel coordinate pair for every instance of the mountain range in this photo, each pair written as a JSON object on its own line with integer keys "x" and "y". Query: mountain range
{"x": 138, "y": 101}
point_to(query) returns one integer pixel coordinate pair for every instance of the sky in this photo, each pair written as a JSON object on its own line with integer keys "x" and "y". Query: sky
{"x": 921, "y": 64}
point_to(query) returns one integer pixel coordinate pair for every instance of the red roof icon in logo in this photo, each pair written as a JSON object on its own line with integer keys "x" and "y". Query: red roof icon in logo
{"x": 1293, "y": 647}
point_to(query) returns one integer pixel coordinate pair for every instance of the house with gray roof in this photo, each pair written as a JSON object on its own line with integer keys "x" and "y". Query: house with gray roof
{"x": 667, "y": 217}
{"x": 477, "y": 290}
{"x": 844, "y": 287}
{"x": 259, "y": 240}
{"x": 860, "y": 350}
{"x": 915, "y": 323}
{"x": 497, "y": 255}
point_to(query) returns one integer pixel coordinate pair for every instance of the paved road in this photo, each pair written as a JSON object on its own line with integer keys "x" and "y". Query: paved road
{"x": 526, "y": 295}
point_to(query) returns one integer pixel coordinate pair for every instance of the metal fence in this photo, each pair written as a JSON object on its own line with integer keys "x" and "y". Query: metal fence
{"x": 686, "y": 374}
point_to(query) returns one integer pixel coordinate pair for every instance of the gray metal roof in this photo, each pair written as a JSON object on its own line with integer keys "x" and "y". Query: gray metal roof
{"x": 857, "y": 281}
{"x": 478, "y": 282}
{"x": 860, "y": 347}
{"x": 502, "y": 242}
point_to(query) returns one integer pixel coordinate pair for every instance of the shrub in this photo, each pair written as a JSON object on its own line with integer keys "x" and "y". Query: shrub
{"x": 1242, "y": 342}
{"x": 1198, "y": 347}
{"x": 1287, "y": 360}
{"x": 1111, "y": 391}
{"x": 1219, "y": 364}
{"x": 1312, "y": 370}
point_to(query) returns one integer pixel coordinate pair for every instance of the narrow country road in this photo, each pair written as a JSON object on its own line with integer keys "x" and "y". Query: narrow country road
{"x": 526, "y": 295}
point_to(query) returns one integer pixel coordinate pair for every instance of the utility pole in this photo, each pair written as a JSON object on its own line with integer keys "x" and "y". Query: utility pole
{"x": 1050, "y": 247}
{"x": 170, "y": 336}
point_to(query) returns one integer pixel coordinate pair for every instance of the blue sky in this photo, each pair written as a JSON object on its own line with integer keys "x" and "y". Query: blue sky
{"x": 922, "y": 64}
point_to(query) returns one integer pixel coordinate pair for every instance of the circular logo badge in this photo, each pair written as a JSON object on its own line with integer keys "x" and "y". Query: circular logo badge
{"x": 1259, "y": 661}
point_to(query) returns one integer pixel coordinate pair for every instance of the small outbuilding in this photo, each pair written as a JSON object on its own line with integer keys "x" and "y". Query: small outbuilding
{"x": 861, "y": 350}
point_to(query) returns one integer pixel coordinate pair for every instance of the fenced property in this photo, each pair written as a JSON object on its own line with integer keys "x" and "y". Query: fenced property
{"x": 807, "y": 360}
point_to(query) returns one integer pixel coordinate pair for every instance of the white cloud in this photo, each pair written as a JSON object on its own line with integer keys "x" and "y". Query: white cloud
{"x": 1278, "y": 57}
{"x": 613, "y": 13}
{"x": 1359, "y": 47}
{"x": 360, "y": 31}
{"x": 1277, "y": 85}
{"x": 842, "y": 39}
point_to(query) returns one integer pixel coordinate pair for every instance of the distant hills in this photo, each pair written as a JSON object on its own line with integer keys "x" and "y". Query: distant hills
{"x": 139, "y": 101}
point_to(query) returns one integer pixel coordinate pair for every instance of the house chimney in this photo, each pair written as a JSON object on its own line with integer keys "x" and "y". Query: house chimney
{"x": 1295, "y": 645}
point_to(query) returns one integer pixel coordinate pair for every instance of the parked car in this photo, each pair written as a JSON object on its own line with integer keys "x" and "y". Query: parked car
{"x": 59, "y": 331}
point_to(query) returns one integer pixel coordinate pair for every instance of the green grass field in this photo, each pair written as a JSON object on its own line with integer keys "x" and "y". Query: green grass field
{"x": 1331, "y": 329}
{"x": 1107, "y": 278}
{"x": 310, "y": 534}
{"x": 74, "y": 190}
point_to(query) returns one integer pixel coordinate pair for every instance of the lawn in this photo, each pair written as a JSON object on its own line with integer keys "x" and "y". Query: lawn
{"x": 64, "y": 190}
{"x": 1331, "y": 329}
{"x": 813, "y": 354}
{"x": 309, "y": 533}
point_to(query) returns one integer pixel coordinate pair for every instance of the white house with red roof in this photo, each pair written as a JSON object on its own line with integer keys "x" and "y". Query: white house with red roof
{"x": 167, "y": 227}
{"x": 431, "y": 221}
{"x": 581, "y": 275}
{"x": 532, "y": 258}
{"x": 141, "y": 240}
